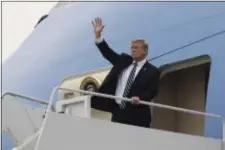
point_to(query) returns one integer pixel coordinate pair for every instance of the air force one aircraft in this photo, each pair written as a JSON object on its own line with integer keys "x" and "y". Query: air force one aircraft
{"x": 47, "y": 82}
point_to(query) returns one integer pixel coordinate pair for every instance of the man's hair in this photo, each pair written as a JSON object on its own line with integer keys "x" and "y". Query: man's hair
{"x": 144, "y": 42}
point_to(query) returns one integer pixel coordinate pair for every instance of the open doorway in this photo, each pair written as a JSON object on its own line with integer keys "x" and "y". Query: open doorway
{"x": 183, "y": 84}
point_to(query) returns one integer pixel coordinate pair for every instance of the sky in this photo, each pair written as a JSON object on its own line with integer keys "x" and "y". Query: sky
{"x": 18, "y": 21}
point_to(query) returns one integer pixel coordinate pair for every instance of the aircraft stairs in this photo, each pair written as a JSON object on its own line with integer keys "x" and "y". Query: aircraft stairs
{"x": 42, "y": 128}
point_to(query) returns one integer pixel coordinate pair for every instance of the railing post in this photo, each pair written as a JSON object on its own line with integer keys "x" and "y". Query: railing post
{"x": 87, "y": 107}
{"x": 46, "y": 116}
{"x": 223, "y": 139}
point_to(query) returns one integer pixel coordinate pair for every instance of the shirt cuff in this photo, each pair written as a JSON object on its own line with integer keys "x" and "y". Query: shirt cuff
{"x": 99, "y": 40}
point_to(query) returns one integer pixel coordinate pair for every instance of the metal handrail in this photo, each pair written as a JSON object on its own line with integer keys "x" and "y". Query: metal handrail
{"x": 50, "y": 106}
{"x": 28, "y": 98}
{"x": 144, "y": 103}
{"x": 27, "y": 141}
{"x": 116, "y": 97}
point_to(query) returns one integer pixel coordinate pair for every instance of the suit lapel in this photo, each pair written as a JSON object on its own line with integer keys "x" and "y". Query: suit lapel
{"x": 117, "y": 69}
{"x": 141, "y": 75}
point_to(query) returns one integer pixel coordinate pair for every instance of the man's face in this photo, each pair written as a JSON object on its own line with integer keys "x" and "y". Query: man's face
{"x": 138, "y": 51}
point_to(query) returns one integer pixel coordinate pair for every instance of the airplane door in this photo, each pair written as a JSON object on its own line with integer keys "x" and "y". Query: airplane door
{"x": 183, "y": 84}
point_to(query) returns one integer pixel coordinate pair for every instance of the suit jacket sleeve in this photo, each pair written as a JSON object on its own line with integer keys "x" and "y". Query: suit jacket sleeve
{"x": 152, "y": 89}
{"x": 107, "y": 52}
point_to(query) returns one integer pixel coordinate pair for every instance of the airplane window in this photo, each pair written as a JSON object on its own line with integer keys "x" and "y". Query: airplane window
{"x": 41, "y": 19}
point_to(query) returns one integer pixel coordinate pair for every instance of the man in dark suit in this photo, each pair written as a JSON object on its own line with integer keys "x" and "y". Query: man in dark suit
{"x": 131, "y": 76}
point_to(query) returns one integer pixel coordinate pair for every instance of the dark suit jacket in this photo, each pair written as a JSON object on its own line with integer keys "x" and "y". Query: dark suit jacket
{"x": 145, "y": 86}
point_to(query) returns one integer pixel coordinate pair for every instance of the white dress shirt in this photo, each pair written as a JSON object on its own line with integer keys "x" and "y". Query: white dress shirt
{"x": 123, "y": 77}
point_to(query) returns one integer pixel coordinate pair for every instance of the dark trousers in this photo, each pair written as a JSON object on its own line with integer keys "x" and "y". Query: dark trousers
{"x": 130, "y": 117}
